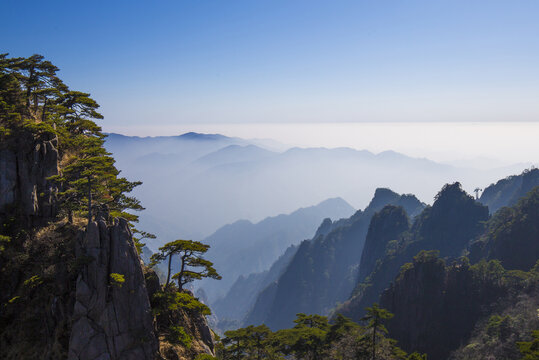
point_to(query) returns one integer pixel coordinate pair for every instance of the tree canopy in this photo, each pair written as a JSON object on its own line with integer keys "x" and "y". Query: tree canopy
{"x": 192, "y": 265}
{"x": 34, "y": 100}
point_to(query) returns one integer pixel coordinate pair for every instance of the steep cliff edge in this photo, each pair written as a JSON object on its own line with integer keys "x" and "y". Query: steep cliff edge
{"x": 195, "y": 338}
{"x": 26, "y": 163}
{"x": 437, "y": 306}
{"x": 112, "y": 316}
{"x": 386, "y": 226}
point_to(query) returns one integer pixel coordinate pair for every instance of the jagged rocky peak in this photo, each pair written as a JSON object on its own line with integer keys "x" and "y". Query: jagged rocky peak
{"x": 386, "y": 226}
{"x": 384, "y": 196}
{"x": 324, "y": 228}
{"x": 452, "y": 222}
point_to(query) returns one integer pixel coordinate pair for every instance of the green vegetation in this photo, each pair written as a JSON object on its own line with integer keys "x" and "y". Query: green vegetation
{"x": 190, "y": 254}
{"x": 323, "y": 271}
{"x": 205, "y": 357}
{"x": 138, "y": 236}
{"x": 487, "y": 300}
{"x": 35, "y": 102}
{"x": 484, "y": 306}
{"x": 117, "y": 279}
{"x": 510, "y": 235}
{"x": 176, "y": 335}
{"x": 50, "y": 130}
{"x": 172, "y": 300}
{"x": 375, "y": 316}
{"x": 171, "y": 304}
{"x": 314, "y": 338}
{"x": 530, "y": 349}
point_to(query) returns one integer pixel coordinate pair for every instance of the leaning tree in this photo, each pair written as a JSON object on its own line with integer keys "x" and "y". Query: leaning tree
{"x": 192, "y": 265}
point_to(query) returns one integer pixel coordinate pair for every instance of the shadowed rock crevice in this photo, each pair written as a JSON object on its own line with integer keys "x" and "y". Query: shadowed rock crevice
{"x": 26, "y": 163}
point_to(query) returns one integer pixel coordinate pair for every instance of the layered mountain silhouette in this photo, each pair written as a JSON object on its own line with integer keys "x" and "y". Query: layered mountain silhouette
{"x": 243, "y": 248}
{"x": 196, "y": 183}
{"x": 240, "y": 298}
{"x": 324, "y": 270}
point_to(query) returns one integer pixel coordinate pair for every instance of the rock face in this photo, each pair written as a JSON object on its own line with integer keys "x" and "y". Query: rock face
{"x": 112, "y": 320}
{"x": 25, "y": 164}
{"x": 512, "y": 235}
{"x": 386, "y": 225}
{"x": 436, "y": 306}
{"x": 202, "y": 339}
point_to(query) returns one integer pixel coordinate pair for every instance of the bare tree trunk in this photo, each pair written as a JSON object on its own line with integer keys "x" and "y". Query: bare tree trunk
{"x": 89, "y": 201}
{"x": 182, "y": 269}
{"x": 374, "y": 340}
{"x": 168, "y": 273}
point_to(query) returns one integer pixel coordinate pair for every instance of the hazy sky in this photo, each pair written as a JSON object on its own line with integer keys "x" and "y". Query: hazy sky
{"x": 164, "y": 63}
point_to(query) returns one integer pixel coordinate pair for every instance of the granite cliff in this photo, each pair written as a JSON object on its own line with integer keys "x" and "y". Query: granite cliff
{"x": 26, "y": 163}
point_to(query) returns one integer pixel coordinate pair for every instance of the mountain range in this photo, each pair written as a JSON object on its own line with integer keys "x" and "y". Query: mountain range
{"x": 196, "y": 183}
{"x": 244, "y": 248}
{"x": 324, "y": 270}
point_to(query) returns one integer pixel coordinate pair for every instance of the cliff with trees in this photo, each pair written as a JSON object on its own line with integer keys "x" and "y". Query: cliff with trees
{"x": 72, "y": 285}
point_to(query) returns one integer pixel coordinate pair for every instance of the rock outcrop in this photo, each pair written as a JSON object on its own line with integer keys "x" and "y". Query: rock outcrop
{"x": 112, "y": 318}
{"x": 437, "y": 306}
{"x": 26, "y": 163}
{"x": 202, "y": 339}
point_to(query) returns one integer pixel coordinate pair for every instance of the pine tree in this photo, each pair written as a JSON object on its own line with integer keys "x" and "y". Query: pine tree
{"x": 530, "y": 349}
{"x": 374, "y": 317}
{"x": 190, "y": 254}
{"x": 33, "y": 99}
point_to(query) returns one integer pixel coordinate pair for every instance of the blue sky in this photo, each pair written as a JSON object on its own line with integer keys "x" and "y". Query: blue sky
{"x": 208, "y": 61}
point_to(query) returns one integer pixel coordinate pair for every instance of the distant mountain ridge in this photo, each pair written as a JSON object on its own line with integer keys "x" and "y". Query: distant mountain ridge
{"x": 199, "y": 182}
{"x": 508, "y": 191}
{"x": 234, "y": 306}
{"x": 243, "y": 248}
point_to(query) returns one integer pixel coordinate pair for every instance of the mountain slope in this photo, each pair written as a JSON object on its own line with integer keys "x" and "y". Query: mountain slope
{"x": 508, "y": 191}
{"x": 386, "y": 226}
{"x": 512, "y": 235}
{"x": 324, "y": 269}
{"x": 244, "y": 248}
{"x": 437, "y": 306}
{"x": 448, "y": 226}
{"x": 234, "y": 306}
